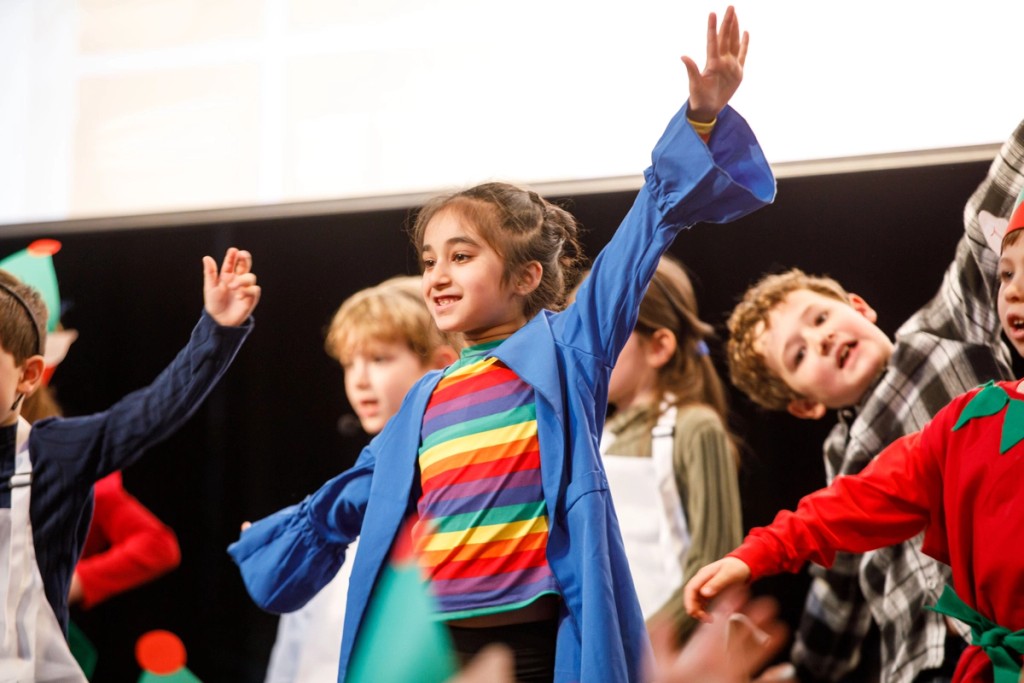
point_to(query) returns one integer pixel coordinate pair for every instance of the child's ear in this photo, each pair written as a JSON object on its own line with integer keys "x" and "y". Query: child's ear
{"x": 806, "y": 409}
{"x": 528, "y": 278}
{"x": 443, "y": 356}
{"x": 661, "y": 346}
{"x": 861, "y": 306}
{"x": 32, "y": 371}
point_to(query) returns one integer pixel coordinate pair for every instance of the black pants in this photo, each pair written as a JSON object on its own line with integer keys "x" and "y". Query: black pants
{"x": 532, "y": 643}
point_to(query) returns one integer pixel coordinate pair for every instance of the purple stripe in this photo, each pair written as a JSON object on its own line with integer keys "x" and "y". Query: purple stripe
{"x": 480, "y": 404}
{"x": 480, "y": 486}
{"x": 465, "y": 399}
{"x": 500, "y": 589}
{"x": 483, "y": 501}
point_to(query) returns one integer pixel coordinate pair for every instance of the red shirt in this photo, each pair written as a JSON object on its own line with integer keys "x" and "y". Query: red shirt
{"x": 956, "y": 486}
{"x": 126, "y": 546}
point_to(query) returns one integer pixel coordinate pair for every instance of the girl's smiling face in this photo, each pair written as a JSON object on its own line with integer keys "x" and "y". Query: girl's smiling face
{"x": 463, "y": 282}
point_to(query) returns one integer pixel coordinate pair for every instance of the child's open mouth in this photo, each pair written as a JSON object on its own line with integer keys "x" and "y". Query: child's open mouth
{"x": 844, "y": 353}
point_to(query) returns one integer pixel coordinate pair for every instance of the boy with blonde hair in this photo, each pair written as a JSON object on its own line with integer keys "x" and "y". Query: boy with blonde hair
{"x": 385, "y": 340}
{"x": 805, "y": 345}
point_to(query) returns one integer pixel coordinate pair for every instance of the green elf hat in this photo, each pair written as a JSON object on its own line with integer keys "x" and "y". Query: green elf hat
{"x": 34, "y": 267}
{"x": 1017, "y": 217}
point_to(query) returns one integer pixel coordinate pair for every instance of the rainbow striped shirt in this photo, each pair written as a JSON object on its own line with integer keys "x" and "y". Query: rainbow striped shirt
{"x": 484, "y": 526}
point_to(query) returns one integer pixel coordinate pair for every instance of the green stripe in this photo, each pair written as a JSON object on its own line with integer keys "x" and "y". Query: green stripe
{"x": 478, "y": 518}
{"x": 508, "y": 418}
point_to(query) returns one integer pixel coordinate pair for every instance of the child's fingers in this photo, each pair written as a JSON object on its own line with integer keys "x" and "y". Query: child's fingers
{"x": 712, "y": 38}
{"x": 252, "y": 293}
{"x": 209, "y": 272}
{"x": 227, "y": 267}
{"x": 242, "y": 281}
{"x": 243, "y": 264}
{"x": 731, "y": 31}
{"x": 695, "y": 597}
{"x": 713, "y": 586}
{"x": 692, "y": 70}
{"x": 744, "y": 44}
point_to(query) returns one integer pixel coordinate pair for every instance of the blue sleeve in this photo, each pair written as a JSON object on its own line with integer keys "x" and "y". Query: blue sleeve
{"x": 69, "y": 454}
{"x": 688, "y": 182}
{"x": 288, "y": 557}
{"x": 104, "y": 442}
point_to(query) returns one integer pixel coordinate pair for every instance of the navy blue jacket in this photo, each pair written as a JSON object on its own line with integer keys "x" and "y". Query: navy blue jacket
{"x": 70, "y": 454}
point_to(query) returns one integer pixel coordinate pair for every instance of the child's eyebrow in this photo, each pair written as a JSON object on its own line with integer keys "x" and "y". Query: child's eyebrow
{"x": 807, "y": 315}
{"x": 451, "y": 241}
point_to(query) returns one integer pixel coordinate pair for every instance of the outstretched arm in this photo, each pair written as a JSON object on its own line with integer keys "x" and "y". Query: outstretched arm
{"x": 711, "y": 89}
{"x": 139, "y": 548}
{"x": 231, "y": 294}
{"x": 688, "y": 182}
{"x": 890, "y": 501}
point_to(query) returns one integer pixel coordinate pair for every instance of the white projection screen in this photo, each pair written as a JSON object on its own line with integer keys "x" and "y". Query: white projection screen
{"x": 116, "y": 108}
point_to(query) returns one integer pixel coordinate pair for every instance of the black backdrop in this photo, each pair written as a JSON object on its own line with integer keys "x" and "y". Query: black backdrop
{"x": 267, "y": 435}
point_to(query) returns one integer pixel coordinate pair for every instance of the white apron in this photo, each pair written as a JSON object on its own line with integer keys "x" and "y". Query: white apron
{"x": 33, "y": 647}
{"x": 650, "y": 514}
{"x": 308, "y": 645}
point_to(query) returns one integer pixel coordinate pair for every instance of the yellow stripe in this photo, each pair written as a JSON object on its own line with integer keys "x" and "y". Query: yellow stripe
{"x": 485, "y": 534}
{"x": 475, "y": 442}
{"x": 460, "y": 374}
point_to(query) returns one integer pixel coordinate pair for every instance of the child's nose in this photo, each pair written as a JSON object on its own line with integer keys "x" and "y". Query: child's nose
{"x": 360, "y": 373}
{"x": 1012, "y": 289}
{"x": 825, "y": 341}
{"x": 438, "y": 275}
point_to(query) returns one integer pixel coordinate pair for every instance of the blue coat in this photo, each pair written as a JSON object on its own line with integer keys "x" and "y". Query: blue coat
{"x": 567, "y": 358}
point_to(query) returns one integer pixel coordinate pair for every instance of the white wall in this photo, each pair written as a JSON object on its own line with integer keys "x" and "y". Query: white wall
{"x": 115, "y": 108}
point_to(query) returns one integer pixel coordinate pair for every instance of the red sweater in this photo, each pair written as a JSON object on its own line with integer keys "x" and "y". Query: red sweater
{"x": 126, "y": 546}
{"x": 956, "y": 486}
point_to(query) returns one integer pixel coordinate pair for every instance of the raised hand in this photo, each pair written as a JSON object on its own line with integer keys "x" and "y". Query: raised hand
{"x": 712, "y": 89}
{"x": 231, "y": 294}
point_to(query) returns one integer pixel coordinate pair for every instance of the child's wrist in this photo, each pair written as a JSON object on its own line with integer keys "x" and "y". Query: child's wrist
{"x": 703, "y": 128}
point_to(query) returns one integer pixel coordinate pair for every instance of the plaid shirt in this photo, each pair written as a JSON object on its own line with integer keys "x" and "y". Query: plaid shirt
{"x": 949, "y": 346}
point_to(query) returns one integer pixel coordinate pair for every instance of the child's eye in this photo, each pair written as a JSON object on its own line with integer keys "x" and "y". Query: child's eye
{"x": 1005, "y": 275}
{"x": 428, "y": 263}
{"x": 820, "y": 318}
{"x": 460, "y": 258}
{"x": 799, "y": 357}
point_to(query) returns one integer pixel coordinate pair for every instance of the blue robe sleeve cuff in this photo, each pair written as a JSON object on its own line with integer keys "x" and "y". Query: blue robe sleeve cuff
{"x": 718, "y": 182}
{"x": 284, "y": 560}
